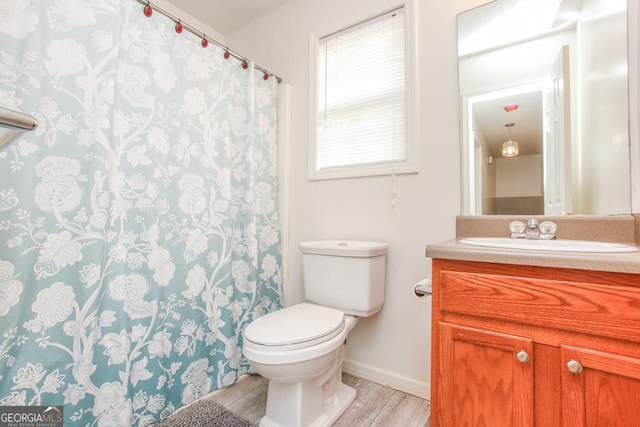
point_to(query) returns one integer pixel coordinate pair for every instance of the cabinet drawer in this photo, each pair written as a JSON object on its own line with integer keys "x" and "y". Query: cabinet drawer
{"x": 606, "y": 310}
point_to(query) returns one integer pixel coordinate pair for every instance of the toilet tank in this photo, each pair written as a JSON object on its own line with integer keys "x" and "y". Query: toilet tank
{"x": 347, "y": 275}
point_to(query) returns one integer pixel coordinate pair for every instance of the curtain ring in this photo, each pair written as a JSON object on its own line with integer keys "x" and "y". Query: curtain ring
{"x": 148, "y": 10}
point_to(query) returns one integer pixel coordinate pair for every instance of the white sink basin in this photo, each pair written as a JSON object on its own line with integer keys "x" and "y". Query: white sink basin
{"x": 548, "y": 245}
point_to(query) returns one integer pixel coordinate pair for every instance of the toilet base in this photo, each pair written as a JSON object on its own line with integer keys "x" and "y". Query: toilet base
{"x": 332, "y": 409}
{"x": 305, "y": 391}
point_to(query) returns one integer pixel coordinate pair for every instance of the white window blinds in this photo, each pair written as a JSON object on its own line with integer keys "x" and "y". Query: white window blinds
{"x": 361, "y": 94}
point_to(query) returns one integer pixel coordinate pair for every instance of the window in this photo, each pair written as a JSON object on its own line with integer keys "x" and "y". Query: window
{"x": 360, "y": 106}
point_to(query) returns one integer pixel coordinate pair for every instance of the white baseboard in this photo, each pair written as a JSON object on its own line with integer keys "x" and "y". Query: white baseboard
{"x": 388, "y": 379}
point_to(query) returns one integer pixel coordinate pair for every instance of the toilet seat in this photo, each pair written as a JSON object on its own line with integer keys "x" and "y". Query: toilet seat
{"x": 295, "y": 327}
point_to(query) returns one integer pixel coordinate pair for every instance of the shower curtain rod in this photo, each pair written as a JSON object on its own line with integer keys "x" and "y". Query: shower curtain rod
{"x": 203, "y": 36}
{"x": 15, "y": 123}
{"x": 17, "y": 120}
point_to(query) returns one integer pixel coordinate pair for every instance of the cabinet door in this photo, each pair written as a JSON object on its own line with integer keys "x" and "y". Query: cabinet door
{"x": 599, "y": 389}
{"x": 486, "y": 378}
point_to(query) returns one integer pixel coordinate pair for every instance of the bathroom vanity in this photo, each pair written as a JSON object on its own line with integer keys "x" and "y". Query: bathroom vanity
{"x": 526, "y": 338}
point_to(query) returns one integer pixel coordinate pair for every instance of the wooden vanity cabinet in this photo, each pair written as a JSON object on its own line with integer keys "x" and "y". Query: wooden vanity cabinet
{"x": 534, "y": 346}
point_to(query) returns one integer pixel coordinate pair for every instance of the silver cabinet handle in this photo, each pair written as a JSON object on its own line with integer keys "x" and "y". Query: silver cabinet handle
{"x": 523, "y": 356}
{"x": 574, "y": 366}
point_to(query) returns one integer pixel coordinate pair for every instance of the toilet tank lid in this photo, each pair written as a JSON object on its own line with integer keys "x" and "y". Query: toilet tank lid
{"x": 348, "y": 248}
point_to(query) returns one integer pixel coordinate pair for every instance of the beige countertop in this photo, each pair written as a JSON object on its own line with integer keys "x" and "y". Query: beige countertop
{"x": 615, "y": 262}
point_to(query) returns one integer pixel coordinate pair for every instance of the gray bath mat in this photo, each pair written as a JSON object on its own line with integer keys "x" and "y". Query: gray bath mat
{"x": 204, "y": 413}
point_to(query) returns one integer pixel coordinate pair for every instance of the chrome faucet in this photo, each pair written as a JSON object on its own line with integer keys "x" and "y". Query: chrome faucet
{"x": 546, "y": 230}
{"x": 533, "y": 232}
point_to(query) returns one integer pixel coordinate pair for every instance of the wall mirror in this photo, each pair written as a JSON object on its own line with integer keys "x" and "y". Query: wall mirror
{"x": 549, "y": 77}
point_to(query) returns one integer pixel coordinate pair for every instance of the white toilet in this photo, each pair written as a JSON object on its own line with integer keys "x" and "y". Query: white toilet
{"x": 300, "y": 349}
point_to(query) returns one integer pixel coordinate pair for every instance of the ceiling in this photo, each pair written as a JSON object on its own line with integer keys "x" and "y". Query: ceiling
{"x": 226, "y": 16}
{"x": 491, "y": 119}
{"x": 500, "y": 23}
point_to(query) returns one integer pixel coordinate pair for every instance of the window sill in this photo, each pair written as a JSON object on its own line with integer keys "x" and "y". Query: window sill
{"x": 362, "y": 171}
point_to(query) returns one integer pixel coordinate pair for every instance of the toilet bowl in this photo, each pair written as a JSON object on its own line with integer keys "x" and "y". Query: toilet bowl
{"x": 304, "y": 370}
{"x": 300, "y": 349}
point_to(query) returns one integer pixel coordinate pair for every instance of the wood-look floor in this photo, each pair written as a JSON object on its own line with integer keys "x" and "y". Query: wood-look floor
{"x": 375, "y": 405}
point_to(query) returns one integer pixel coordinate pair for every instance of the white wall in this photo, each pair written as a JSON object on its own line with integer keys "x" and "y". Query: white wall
{"x": 634, "y": 102}
{"x": 488, "y": 174}
{"x": 392, "y": 347}
{"x": 603, "y": 122}
{"x": 519, "y": 176}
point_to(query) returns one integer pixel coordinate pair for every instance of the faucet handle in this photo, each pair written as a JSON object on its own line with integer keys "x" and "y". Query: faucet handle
{"x": 517, "y": 229}
{"x": 548, "y": 230}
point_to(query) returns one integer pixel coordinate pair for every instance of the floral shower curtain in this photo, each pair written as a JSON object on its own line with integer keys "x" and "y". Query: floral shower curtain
{"x": 138, "y": 224}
